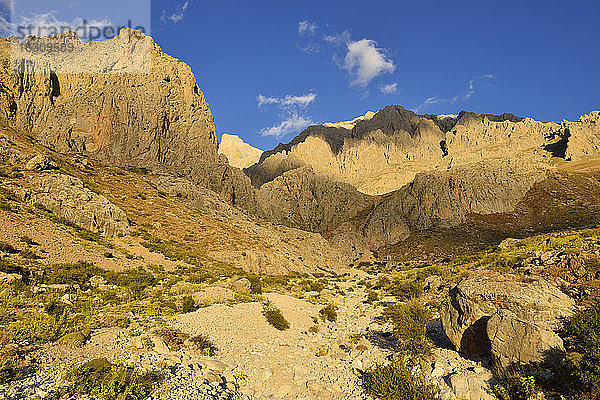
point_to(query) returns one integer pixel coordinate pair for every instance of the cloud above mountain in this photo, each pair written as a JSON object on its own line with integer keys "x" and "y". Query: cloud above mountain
{"x": 472, "y": 87}
{"x": 292, "y": 112}
{"x": 362, "y": 60}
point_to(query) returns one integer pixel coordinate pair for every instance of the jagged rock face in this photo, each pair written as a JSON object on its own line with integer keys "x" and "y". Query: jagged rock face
{"x": 126, "y": 103}
{"x": 513, "y": 320}
{"x": 444, "y": 199}
{"x": 304, "y": 200}
{"x": 583, "y": 137}
{"x": 67, "y": 197}
{"x": 382, "y": 153}
{"x": 238, "y": 153}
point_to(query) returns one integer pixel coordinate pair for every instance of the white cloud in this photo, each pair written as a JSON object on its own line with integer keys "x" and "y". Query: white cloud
{"x": 342, "y": 38}
{"x": 471, "y": 89}
{"x": 293, "y": 123}
{"x": 390, "y": 88}
{"x": 307, "y": 28}
{"x": 364, "y": 61}
{"x": 287, "y": 101}
{"x": 178, "y": 15}
{"x": 292, "y": 111}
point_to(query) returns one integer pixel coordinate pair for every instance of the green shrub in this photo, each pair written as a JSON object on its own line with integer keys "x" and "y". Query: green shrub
{"x": 188, "y": 305}
{"x": 101, "y": 378}
{"x": 406, "y": 290}
{"x": 255, "y": 285}
{"x": 517, "y": 388}
{"x": 372, "y": 296}
{"x": 29, "y": 241}
{"x": 173, "y": 338}
{"x": 204, "y": 344}
{"x": 29, "y": 254}
{"x": 70, "y": 274}
{"x": 584, "y": 355}
{"x": 4, "y": 206}
{"x": 10, "y": 368}
{"x": 136, "y": 280}
{"x": 394, "y": 381}
{"x": 38, "y": 328}
{"x": 410, "y": 326}
{"x": 275, "y": 317}
{"x": 329, "y": 313}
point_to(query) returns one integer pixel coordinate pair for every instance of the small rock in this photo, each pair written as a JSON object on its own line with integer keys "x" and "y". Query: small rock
{"x": 215, "y": 365}
{"x": 241, "y": 285}
{"x": 40, "y": 162}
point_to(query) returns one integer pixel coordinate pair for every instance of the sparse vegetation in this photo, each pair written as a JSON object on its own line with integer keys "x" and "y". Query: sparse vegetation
{"x": 395, "y": 381}
{"x": 27, "y": 253}
{"x": 275, "y": 317}
{"x": 328, "y": 313}
{"x": 204, "y": 344}
{"x": 517, "y": 388}
{"x": 410, "y": 322}
{"x": 188, "y": 305}
{"x": 29, "y": 241}
{"x": 372, "y": 296}
{"x": 584, "y": 354}
{"x": 11, "y": 368}
{"x": 7, "y": 248}
{"x": 111, "y": 381}
{"x": 255, "y": 284}
{"x": 405, "y": 290}
{"x": 173, "y": 338}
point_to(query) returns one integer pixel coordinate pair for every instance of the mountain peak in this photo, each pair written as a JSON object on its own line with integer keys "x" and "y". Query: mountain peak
{"x": 238, "y": 153}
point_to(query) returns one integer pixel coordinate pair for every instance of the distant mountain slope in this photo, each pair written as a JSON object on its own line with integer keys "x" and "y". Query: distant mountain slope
{"x": 238, "y": 153}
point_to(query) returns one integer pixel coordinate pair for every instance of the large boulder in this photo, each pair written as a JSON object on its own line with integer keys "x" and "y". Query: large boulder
{"x": 517, "y": 342}
{"x": 67, "y": 197}
{"x": 510, "y": 318}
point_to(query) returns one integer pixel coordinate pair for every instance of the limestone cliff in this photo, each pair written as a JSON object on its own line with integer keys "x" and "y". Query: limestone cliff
{"x": 122, "y": 101}
{"x": 380, "y": 154}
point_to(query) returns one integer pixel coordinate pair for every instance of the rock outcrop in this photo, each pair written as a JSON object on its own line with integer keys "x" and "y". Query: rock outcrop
{"x": 512, "y": 319}
{"x": 444, "y": 199}
{"x": 121, "y": 101}
{"x": 66, "y": 196}
{"x": 238, "y": 153}
{"x": 304, "y": 200}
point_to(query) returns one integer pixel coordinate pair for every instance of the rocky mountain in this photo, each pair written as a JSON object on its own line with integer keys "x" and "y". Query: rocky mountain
{"x": 380, "y": 154}
{"x": 121, "y": 101}
{"x": 363, "y": 184}
{"x": 423, "y": 172}
{"x": 238, "y": 153}
{"x": 447, "y": 252}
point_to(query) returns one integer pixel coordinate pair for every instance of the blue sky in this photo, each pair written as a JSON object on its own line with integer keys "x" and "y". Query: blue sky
{"x": 268, "y": 68}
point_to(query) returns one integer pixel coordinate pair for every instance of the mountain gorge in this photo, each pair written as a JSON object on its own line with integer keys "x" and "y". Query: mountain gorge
{"x": 363, "y": 184}
{"x": 454, "y": 256}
